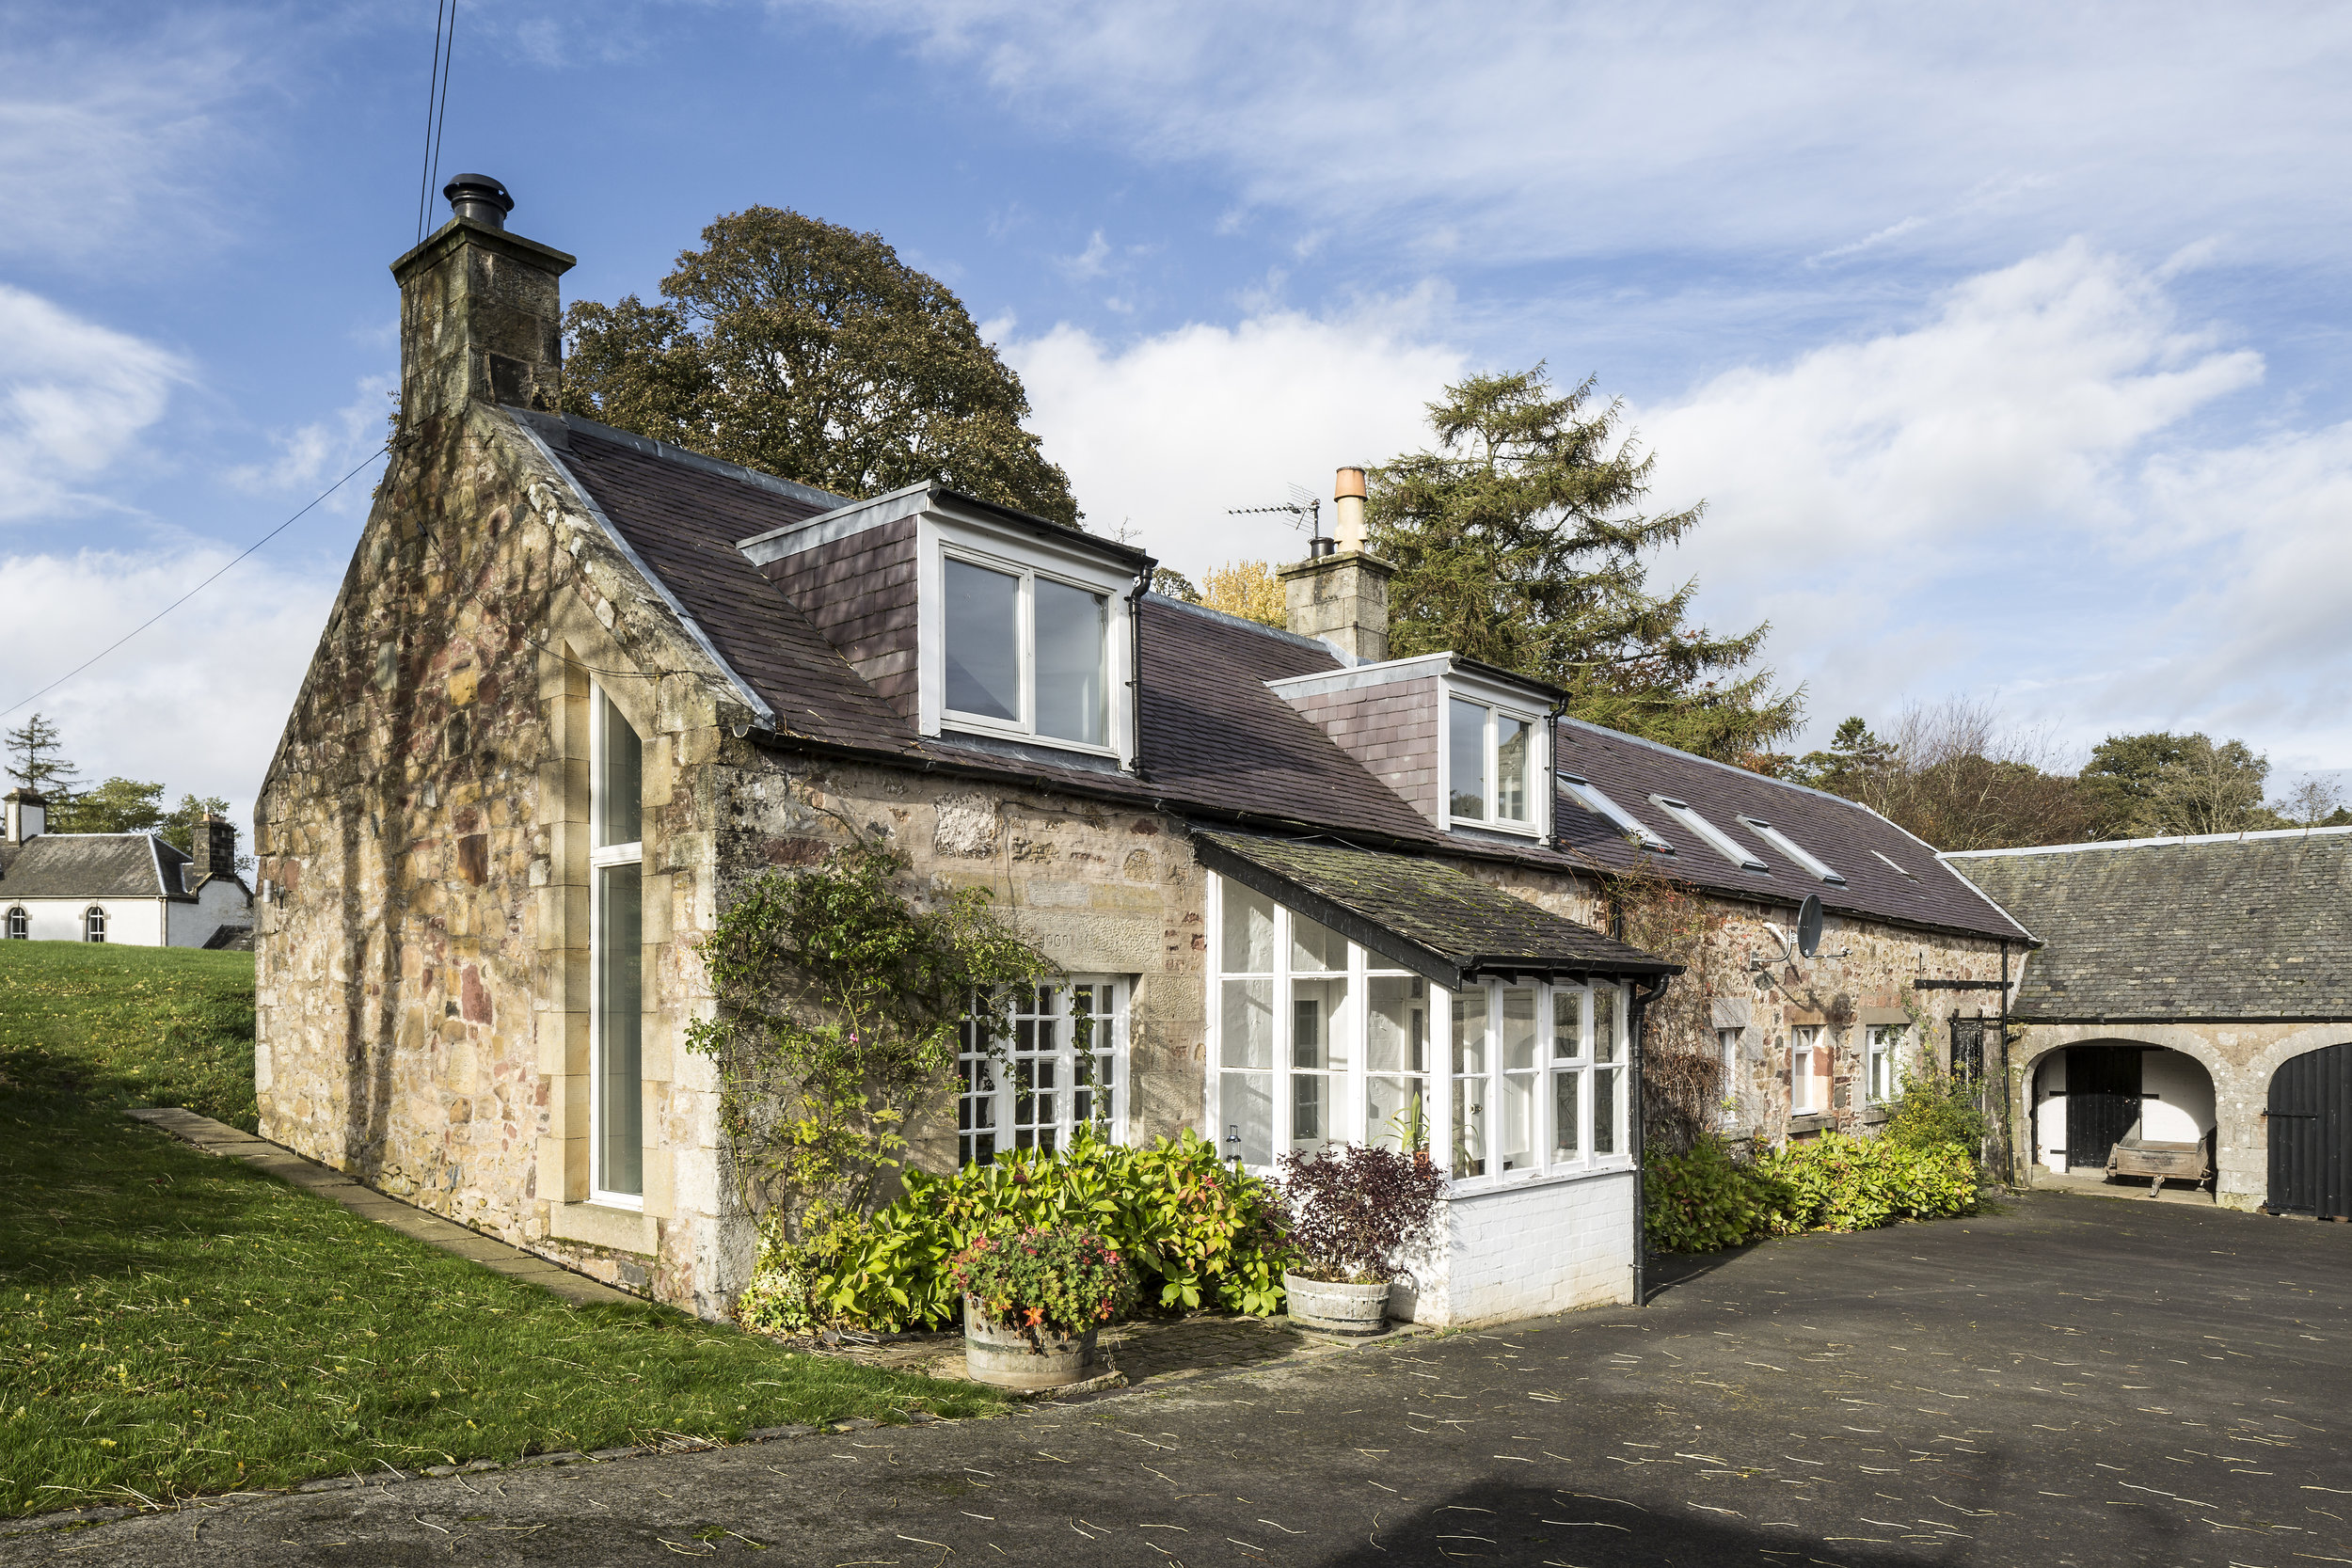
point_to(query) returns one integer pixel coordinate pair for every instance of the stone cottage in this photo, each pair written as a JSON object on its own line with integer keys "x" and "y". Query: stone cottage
{"x": 123, "y": 888}
{"x": 578, "y": 686}
{"x": 2194, "y": 990}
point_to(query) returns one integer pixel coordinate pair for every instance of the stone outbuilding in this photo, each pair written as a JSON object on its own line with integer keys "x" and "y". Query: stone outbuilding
{"x": 126, "y": 888}
{"x": 2192, "y": 990}
{"x": 579, "y": 686}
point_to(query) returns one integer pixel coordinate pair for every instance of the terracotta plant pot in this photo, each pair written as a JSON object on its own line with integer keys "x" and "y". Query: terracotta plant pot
{"x": 1008, "y": 1358}
{"x": 1336, "y": 1308}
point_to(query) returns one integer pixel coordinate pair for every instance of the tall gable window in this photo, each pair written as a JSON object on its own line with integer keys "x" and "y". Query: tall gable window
{"x": 18, "y": 927}
{"x": 616, "y": 935}
{"x": 93, "y": 924}
{"x": 1491, "y": 766}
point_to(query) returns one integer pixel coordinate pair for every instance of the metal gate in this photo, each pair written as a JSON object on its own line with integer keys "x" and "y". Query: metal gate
{"x": 2102, "y": 1102}
{"x": 2310, "y": 1120}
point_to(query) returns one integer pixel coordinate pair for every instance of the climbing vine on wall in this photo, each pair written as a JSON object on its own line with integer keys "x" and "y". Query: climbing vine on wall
{"x": 1682, "y": 1078}
{"x": 840, "y": 1004}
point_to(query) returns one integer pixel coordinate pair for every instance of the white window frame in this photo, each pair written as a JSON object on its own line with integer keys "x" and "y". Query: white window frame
{"x": 19, "y": 924}
{"x": 600, "y": 859}
{"x": 1805, "y": 1041}
{"x": 998, "y": 545}
{"x": 1728, "y": 1044}
{"x": 1717, "y": 840}
{"x": 1882, "y": 1043}
{"x": 1001, "y": 1087}
{"x": 1804, "y": 859}
{"x": 1348, "y": 1110}
{"x": 1499, "y": 705}
{"x": 94, "y": 923}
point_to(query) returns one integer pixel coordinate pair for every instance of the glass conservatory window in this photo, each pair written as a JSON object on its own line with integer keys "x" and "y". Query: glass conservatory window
{"x": 617, "y": 937}
{"x": 1060, "y": 1070}
{"x": 1316, "y": 1044}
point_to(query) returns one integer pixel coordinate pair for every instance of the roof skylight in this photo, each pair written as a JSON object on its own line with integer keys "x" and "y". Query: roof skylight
{"x": 1791, "y": 849}
{"x": 1593, "y": 799}
{"x": 1719, "y": 841}
{"x": 1892, "y": 867}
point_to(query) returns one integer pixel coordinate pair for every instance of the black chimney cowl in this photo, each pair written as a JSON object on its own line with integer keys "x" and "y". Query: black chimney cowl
{"x": 480, "y": 197}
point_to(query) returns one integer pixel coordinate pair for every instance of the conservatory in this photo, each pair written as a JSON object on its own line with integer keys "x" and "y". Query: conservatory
{"x": 1370, "y": 998}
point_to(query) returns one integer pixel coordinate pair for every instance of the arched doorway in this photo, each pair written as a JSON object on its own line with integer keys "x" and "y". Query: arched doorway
{"x": 2087, "y": 1099}
{"x": 2311, "y": 1123}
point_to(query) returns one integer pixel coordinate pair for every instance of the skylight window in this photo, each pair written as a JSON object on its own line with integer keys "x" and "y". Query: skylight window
{"x": 1718, "y": 840}
{"x": 1892, "y": 867}
{"x": 1592, "y": 798}
{"x": 1791, "y": 849}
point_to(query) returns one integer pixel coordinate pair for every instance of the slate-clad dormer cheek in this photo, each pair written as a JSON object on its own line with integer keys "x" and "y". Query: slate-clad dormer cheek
{"x": 1469, "y": 746}
{"x": 984, "y": 625}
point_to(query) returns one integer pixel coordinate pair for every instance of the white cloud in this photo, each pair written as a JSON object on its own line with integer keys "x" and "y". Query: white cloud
{"x": 1166, "y": 433}
{"x": 315, "y": 454}
{"x": 197, "y": 701}
{"x": 74, "y": 397}
{"x": 1539, "y": 129}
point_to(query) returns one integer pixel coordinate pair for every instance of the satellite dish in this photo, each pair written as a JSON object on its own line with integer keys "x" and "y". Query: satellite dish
{"x": 1809, "y": 925}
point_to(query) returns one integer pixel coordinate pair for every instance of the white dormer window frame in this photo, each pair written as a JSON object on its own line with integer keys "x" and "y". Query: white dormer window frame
{"x": 1796, "y": 853}
{"x": 1004, "y": 547}
{"x": 1593, "y": 798}
{"x": 1717, "y": 840}
{"x": 1501, "y": 712}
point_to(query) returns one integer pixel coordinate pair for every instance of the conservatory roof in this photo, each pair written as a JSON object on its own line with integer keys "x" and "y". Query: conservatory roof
{"x": 1421, "y": 915}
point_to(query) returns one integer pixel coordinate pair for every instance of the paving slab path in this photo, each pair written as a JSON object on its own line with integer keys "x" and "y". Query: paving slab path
{"x": 2071, "y": 1382}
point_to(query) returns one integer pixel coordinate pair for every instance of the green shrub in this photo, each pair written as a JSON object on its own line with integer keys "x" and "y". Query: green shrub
{"x": 1705, "y": 1200}
{"x": 1834, "y": 1182}
{"x": 1045, "y": 1281}
{"x": 1939, "y": 1109}
{"x": 1195, "y": 1232}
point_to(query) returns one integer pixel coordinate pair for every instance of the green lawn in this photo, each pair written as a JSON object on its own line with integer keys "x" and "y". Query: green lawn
{"x": 172, "y": 1322}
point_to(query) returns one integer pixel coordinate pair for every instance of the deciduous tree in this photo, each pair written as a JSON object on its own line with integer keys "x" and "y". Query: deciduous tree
{"x": 811, "y": 351}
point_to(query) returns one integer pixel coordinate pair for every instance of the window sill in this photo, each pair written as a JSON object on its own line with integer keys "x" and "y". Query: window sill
{"x": 1519, "y": 1180}
{"x": 1808, "y": 1121}
{"x": 1028, "y": 748}
{"x": 602, "y": 1225}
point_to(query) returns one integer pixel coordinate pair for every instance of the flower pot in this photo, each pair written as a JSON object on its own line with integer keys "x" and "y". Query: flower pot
{"x": 1336, "y": 1308}
{"x": 1009, "y": 1358}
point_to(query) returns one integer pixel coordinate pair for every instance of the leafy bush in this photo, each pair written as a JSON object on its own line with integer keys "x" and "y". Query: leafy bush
{"x": 1046, "y": 1279}
{"x": 1939, "y": 1109}
{"x": 1353, "y": 1209}
{"x": 1706, "y": 1199}
{"x": 1188, "y": 1227}
{"x": 1835, "y": 1183}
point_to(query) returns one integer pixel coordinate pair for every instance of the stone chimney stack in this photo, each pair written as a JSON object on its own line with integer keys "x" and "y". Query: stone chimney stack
{"x": 27, "y": 814}
{"x": 1343, "y": 597}
{"x": 481, "y": 315}
{"x": 215, "y": 841}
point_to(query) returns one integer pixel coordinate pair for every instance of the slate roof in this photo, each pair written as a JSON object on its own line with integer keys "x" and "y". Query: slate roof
{"x": 2220, "y": 930}
{"x": 1429, "y": 917}
{"x": 92, "y": 865}
{"x": 1213, "y": 739}
{"x": 1840, "y": 833}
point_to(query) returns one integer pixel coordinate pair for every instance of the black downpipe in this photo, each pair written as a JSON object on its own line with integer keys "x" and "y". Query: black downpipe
{"x": 1642, "y": 999}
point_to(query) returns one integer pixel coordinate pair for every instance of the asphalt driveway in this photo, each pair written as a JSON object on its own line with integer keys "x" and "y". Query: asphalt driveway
{"x": 2077, "y": 1381}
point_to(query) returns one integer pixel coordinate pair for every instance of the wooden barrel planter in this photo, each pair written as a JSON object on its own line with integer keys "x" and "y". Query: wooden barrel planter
{"x": 1020, "y": 1359}
{"x": 1336, "y": 1308}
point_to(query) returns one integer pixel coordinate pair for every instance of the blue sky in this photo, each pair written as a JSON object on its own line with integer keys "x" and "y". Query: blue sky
{"x": 2005, "y": 342}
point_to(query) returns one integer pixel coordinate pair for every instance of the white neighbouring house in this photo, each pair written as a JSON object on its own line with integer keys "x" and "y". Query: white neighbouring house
{"x": 129, "y": 888}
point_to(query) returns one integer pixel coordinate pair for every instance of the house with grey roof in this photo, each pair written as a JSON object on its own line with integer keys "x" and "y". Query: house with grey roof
{"x": 579, "y": 686}
{"x": 2191, "y": 991}
{"x": 132, "y": 888}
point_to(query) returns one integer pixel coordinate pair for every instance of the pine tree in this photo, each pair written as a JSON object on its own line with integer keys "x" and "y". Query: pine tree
{"x": 39, "y": 763}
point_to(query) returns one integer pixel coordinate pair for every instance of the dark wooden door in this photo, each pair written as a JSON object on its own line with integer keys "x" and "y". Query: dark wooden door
{"x": 2311, "y": 1125}
{"x": 2102, "y": 1102}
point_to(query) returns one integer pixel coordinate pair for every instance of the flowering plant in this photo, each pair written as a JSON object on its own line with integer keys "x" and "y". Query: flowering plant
{"x": 1041, "y": 1280}
{"x": 1354, "y": 1209}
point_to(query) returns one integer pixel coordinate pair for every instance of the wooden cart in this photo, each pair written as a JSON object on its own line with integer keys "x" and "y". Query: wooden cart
{"x": 2164, "y": 1162}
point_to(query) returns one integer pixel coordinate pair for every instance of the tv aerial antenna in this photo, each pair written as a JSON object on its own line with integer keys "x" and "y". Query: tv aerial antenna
{"x": 1306, "y": 514}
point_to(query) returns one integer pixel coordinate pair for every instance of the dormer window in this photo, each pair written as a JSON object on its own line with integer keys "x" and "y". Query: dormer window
{"x": 1490, "y": 766}
{"x": 1025, "y": 653}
